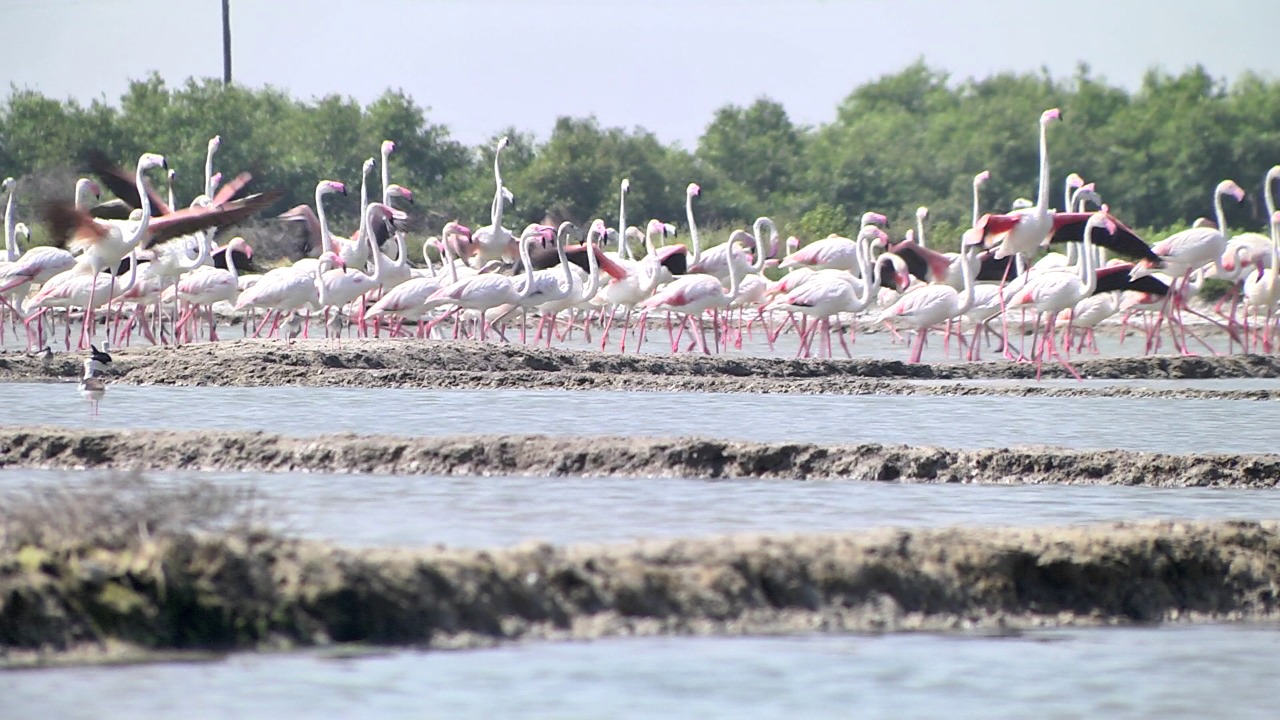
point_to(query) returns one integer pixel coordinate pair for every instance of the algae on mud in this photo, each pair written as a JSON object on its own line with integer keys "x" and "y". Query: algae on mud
{"x": 542, "y": 455}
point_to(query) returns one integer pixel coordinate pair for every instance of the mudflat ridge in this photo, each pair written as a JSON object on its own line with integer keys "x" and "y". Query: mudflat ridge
{"x": 454, "y": 364}
{"x": 542, "y": 455}
{"x": 219, "y": 592}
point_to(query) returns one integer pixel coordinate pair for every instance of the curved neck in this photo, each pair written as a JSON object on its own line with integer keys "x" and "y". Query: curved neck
{"x": 231, "y": 265}
{"x": 870, "y": 271}
{"x": 202, "y": 253}
{"x": 1042, "y": 202}
{"x": 593, "y": 268}
{"x": 326, "y": 240}
{"x": 528, "y": 267}
{"x": 402, "y": 252}
{"x": 649, "y": 247}
{"x": 1069, "y": 197}
{"x": 449, "y": 263}
{"x": 693, "y": 228}
{"x": 145, "y": 222}
{"x": 1088, "y": 273}
{"x": 378, "y": 267}
{"x": 758, "y": 227}
{"x": 10, "y": 223}
{"x": 1269, "y": 193}
{"x": 734, "y": 280}
{"x": 1222, "y": 216}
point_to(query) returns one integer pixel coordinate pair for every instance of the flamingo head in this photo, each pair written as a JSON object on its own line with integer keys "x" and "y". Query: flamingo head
{"x": 331, "y": 186}
{"x": 214, "y": 180}
{"x": 174, "y": 173}
{"x": 367, "y": 167}
{"x": 332, "y": 259}
{"x": 1102, "y": 219}
{"x": 922, "y": 213}
{"x": 502, "y": 142}
{"x": 508, "y": 197}
{"x": 1229, "y": 187}
{"x": 1074, "y": 181}
{"x": 152, "y": 160}
{"x": 400, "y": 191}
{"x": 981, "y": 178}
{"x": 388, "y": 147}
{"x": 626, "y": 185}
{"x": 874, "y": 218}
{"x": 693, "y": 190}
{"x": 453, "y": 227}
{"x": 793, "y": 244}
{"x": 239, "y": 243}
{"x": 21, "y": 230}
{"x": 8, "y": 184}
{"x": 909, "y": 237}
{"x": 1049, "y": 116}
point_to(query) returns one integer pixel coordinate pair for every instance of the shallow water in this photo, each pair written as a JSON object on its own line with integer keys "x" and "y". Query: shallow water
{"x": 381, "y": 510}
{"x": 1213, "y": 671}
{"x": 1154, "y": 424}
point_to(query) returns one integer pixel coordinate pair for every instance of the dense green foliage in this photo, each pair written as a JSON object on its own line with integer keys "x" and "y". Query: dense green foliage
{"x": 908, "y": 139}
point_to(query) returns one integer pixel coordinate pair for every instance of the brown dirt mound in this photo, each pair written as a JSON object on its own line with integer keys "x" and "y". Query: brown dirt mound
{"x": 614, "y": 456}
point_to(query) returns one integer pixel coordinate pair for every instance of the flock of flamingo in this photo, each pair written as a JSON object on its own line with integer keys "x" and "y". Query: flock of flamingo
{"x": 155, "y": 269}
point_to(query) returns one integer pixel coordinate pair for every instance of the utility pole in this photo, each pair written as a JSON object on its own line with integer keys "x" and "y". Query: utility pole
{"x": 226, "y": 42}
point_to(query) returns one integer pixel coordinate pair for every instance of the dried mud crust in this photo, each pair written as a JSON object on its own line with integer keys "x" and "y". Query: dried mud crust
{"x": 243, "y": 591}
{"x": 431, "y": 364}
{"x": 539, "y": 455}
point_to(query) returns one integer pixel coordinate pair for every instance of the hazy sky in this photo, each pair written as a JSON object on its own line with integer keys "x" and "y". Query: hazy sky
{"x": 666, "y": 65}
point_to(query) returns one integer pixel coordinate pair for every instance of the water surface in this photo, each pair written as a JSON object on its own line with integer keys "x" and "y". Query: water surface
{"x": 1207, "y": 671}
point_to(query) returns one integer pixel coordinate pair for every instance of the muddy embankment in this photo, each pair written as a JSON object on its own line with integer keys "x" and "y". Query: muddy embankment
{"x": 432, "y": 364}
{"x": 188, "y": 592}
{"x": 540, "y": 455}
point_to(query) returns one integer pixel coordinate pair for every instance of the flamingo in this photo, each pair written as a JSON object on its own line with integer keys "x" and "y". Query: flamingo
{"x": 492, "y": 241}
{"x": 930, "y": 305}
{"x": 831, "y": 293}
{"x": 409, "y": 298}
{"x": 1025, "y": 230}
{"x": 315, "y": 221}
{"x": 209, "y": 285}
{"x": 287, "y": 289}
{"x": 693, "y": 294}
{"x": 834, "y": 252}
{"x": 483, "y": 292}
{"x": 1262, "y": 289}
{"x": 1187, "y": 251}
{"x": 1053, "y": 291}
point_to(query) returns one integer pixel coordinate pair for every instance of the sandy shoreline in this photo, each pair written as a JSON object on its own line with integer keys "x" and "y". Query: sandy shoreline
{"x": 547, "y": 456}
{"x": 241, "y": 592}
{"x": 433, "y": 364}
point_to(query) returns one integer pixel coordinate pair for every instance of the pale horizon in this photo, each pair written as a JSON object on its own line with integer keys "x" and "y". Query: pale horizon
{"x": 665, "y": 66}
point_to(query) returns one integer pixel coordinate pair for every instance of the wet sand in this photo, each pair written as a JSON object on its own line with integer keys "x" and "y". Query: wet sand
{"x": 451, "y": 364}
{"x": 246, "y": 591}
{"x": 540, "y": 455}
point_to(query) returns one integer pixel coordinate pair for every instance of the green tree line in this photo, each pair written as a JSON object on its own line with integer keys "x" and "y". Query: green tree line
{"x": 911, "y": 138}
